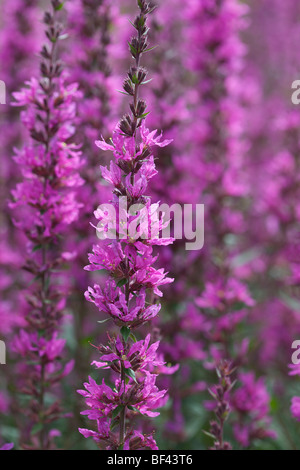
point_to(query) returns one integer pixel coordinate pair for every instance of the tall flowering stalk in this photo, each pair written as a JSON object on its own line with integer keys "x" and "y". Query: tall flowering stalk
{"x": 129, "y": 295}
{"x": 221, "y": 393}
{"x": 19, "y": 41}
{"x": 45, "y": 204}
{"x": 225, "y": 299}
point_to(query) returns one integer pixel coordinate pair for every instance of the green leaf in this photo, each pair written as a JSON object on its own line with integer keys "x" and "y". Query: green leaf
{"x": 232, "y": 385}
{"x": 132, "y": 49}
{"x": 86, "y": 340}
{"x": 132, "y": 24}
{"x": 274, "y": 404}
{"x": 133, "y": 408}
{"x": 114, "y": 424}
{"x": 239, "y": 306}
{"x": 131, "y": 336}
{"x": 152, "y": 9}
{"x": 125, "y": 332}
{"x": 149, "y": 49}
{"x": 105, "y": 365}
{"x": 142, "y": 116}
{"x": 122, "y": 282}
{"x": 130, "y": 373}
{"x": 59, "y": 7}
{"x": 212, "y": 394}
{"x": 110, "y": 363}
{"x": 36, "y": 428}
{"x": 36, "y": 248}
{"x": 117, "y": 411}
{"x": 123, "y": 92}
{"x": 290, "y": 302}
{"x": 209, "y": 434}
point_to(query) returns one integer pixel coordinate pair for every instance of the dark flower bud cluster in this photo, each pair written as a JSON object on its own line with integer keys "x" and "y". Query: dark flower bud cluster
{"x": 136, "y": 74}
{"x": 128, "y": 297}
